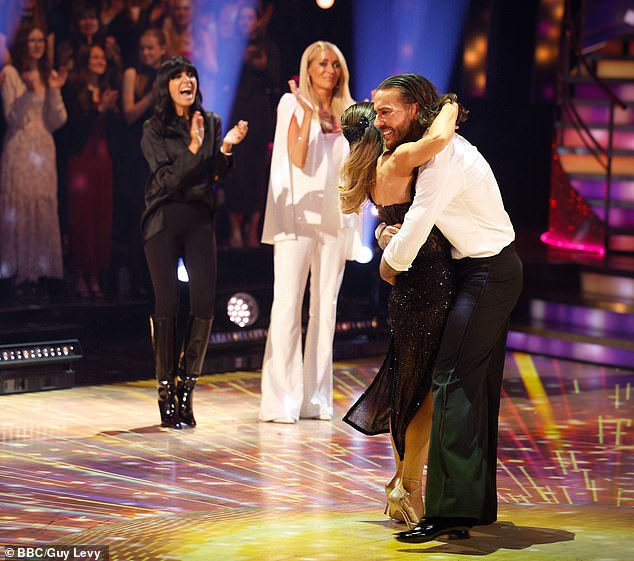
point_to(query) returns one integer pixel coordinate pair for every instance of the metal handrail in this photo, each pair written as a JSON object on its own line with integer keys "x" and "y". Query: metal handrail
{"x": 596, "y": 150}
{"x": 615, "y": 99}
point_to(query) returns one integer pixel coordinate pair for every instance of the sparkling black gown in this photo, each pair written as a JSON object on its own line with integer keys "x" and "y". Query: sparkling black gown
{"x": 418, "y": 305}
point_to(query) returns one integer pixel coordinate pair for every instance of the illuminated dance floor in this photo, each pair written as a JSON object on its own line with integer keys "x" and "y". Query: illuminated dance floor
{"x": 89, "y": 466}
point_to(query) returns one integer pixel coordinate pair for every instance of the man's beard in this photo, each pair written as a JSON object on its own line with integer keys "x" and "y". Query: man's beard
{"x": 414, "y": 133}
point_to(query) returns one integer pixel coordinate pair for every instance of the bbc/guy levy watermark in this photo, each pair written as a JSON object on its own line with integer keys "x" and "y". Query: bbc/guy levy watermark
{"x": 58, "y": 552}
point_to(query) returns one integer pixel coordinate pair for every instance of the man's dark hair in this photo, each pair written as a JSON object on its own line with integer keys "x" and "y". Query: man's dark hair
{"x": 414, "y": 88}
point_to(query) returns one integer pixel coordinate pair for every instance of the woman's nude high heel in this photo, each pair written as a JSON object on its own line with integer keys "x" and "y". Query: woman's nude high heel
{"x": 389, "y": 487}
{"x": 408, "y": 505}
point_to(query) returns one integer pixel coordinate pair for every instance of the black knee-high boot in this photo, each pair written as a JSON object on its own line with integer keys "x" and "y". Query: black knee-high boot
{"x": 190, "y": 366}
{"x": 163, "y": 331}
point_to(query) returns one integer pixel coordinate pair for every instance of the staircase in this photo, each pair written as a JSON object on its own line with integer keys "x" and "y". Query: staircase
{"x": 578, "y": 301}
{"x": 576, "y": 306}
{"x": 592, "y": 183}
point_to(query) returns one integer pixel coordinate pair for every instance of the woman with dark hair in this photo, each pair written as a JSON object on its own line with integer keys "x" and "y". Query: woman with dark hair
{"x": 86, "y": 30}
{"x": 398, "y": 400}
{"x": 19, "y": 13}
{"x": 182, "y": 144}
{"x": 30, "y": 245}
{"x": 92, "y": 103}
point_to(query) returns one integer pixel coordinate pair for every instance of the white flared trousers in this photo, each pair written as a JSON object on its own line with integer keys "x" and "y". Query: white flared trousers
{"x": 292, "y": 387}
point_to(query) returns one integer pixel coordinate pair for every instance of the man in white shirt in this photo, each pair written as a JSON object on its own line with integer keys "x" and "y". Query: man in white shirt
{"x": 456, "y": 191}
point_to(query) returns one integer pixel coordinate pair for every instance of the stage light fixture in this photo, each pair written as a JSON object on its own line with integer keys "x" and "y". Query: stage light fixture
{"x": 44, "y": 365}
{"x": 30, "y": 354}
{"x": 242, "y": 309}
{"x": 325, "y": 4}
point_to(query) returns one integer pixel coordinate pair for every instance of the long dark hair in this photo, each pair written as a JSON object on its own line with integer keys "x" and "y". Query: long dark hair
{"x": 414, "y": 88}
{"x": 79, "y": 76}
{"x": 20, "y": 52}
{"x": 164, "y": 111}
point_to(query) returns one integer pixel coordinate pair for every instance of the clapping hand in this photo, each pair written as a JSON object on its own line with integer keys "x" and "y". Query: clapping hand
{"x": 57, "y": 79}
{"x": 197, "y": 129}
{"x": 307, "y": 107}
{"x": 109, "y": 99}
{"x": 237, "y": 133}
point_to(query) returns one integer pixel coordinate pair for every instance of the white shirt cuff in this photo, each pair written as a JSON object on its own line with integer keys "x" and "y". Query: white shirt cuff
{"x": 389, "y": 259}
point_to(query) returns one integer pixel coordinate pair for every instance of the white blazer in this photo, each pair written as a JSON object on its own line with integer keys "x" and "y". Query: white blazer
{"x": 308, "y": 196}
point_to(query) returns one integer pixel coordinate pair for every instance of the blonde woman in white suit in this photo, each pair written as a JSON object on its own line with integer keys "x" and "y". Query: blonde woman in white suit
{"x": 310, "y": 235}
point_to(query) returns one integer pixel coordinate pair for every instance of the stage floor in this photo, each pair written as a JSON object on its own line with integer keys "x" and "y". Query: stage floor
{"x": 89, "y": 465}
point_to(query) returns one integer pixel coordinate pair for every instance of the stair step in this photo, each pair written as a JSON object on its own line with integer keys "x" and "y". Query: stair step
{"x": 596, "y": 317}
{"x": 595, "y": 188}
{"x": 619, "y": 217}
{"x": 559, "y": 341}
{"x": 590, "y": 90}
{"x": 586, "y": 163}
{"x": 598, "y": 111}
{"x": 610, "y": 287}
{"x": 621, "y": 242}
{"x": 622, "y": 137}
{"x": 581, "y": 176}
{"x": 615, "y": 68}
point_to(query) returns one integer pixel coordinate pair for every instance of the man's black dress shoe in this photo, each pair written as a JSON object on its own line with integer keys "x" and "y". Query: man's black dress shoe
{"x": 429, "y": 529}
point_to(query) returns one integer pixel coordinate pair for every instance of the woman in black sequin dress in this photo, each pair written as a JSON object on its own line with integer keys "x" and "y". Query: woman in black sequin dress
{"x": 398, "y": 400}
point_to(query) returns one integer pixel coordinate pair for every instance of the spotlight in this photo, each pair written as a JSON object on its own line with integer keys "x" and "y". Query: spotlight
{"x": 242, "y": 309}
{"x": 365, "y": 255}
{"x": 325, "y": 4}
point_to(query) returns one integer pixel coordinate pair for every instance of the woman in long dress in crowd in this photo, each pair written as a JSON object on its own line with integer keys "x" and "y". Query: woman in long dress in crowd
{"x": 30, "y": 243}
{"x": 92, "y": 103}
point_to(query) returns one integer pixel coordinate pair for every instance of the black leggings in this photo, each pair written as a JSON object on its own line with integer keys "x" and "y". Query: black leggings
{"x": 189, "y": 234}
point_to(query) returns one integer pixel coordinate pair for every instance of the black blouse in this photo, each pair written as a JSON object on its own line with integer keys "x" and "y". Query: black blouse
{"x": 177, "y": 175}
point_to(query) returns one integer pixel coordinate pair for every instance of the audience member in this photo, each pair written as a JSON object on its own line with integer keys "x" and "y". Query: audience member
{"x": 91, "y": 102}
{"x": 30, "y": 246}
{"x": 131, "y": 171}
{"x": 246, "y": 187}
